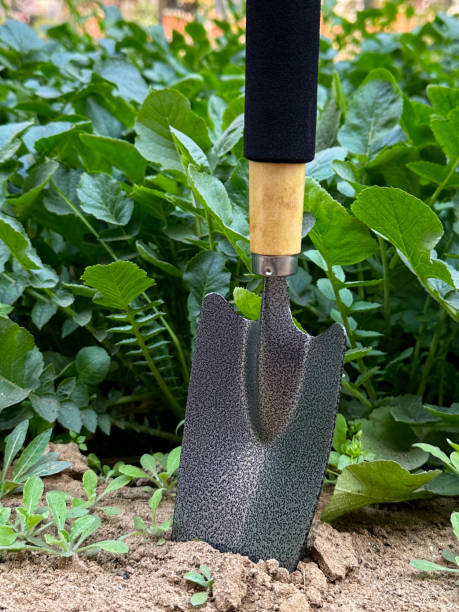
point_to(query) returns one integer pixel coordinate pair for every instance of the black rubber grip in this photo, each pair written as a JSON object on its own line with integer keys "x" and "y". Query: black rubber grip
{"x": 282, "y": 50}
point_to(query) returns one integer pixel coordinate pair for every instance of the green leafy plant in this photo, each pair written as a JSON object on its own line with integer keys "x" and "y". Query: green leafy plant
{"x": 153, "y": 530}
{"x": 347, "y": 446}
{"x": 448, "y": 555}
{"x": 448, "y": 482}
{"x": 92, "y": 501}
{"x": 31, "y": 462}
{"x": 164, "y": 478}
{"x": 54, "y": 529}
{"x": 205, "y": 580}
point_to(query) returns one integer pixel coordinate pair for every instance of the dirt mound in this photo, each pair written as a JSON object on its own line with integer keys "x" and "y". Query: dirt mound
{"x": 362, "y": 564}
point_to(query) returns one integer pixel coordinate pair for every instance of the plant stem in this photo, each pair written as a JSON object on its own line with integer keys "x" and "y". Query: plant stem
{"x": 151, "y": 364}
{"x": 442, "y": 185}
{"x": 383, "y": 252}
{"x": 350, "y": 334}
{"x": 210, "y": 231}
{"x": 431, "y": 354}
{"x": 356, "y": 393}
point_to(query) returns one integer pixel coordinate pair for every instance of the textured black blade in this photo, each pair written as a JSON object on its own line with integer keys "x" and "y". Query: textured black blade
{"x": 260, "y": 415}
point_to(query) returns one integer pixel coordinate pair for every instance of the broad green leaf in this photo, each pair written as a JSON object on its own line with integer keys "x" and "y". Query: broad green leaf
{"x": 133, "y": 472}
{"x": 118, "y": 283}
{"x": 89, "y": 419}
{"x": 445, "y": 484}
{"x": 409, "y": 409}
{"x": 48, "y": 466}
{"x": 374, "y": 482}
{"x": 339, "y": 434}
{"x": 116, "y": 483}
{"x": 443, "y": 99}
{"x": 160, "y": 111}
{"x": 83, "y": 527}
{"x": 205, "y": 570}
{"x": 33, "y": 490}
{"x": 90, "y": 483}
{"x": 69, "y": 416}
{"x": 20, "y": 366}
{"x": 7, "y": 535}
{"x": 247, "y": 302}
{"x": 199, "y": 599}
{"x": 446, "y": 132}
{"x": 102, "y": 196}
{"x": 450, "y": 415}
{"x": 428, "y": 566}
{"x": 12, "y": 234}
{"x": 31, "y": 454}
{"x": 5, "y": 310}
{"x": 410, "y": 226}
{"x": 436, "y": 173}
{"x": 455, "y": 523}
{"x": 126, "y": 77}
{"x": 120, "y": 153}
{"x": 56, "y": 504}
{"x": 340, "y": 239}
{"x": 13, "y": 444}
{"x": 148, "y": 462}
{"x": 111, "y": 510}
{"x": 92, "y": 364}
{"x": 369, "y": 123}
{"x": 204, "y": 274}
{"x": 321, "y": 167}
{"x": 173, "y": 460}
{"x": 9, "y": 141}
{"x": 20, "y": 37}
{"x": 433, "y": 450}
{"x": 386, "y": 439}
{"x": 47, "y": 406}
{"x": 197, "y": 578}
{"x": 189, "y": 151}
{"x": 114, "y": 546}
{"x": 42, "y": 312}
{"x": 148, "y": 254}
{"x": 34, "y": 184}
{"x": 230, "y": 137}
{"x": 155, "y": 500}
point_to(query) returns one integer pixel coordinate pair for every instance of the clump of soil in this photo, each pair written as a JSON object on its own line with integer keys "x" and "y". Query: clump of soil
{"x": 361, "y": 563}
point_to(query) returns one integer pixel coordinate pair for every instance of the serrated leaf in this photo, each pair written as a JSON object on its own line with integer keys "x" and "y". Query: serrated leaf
{"x": 102, "y": 196}
{"x": 47, "y": 406}
{"x": 247, "y": 302}
{"x": 160, "y": 111}
{"x": 118, "y": 283}
{"x": 69, "y": 416}
{"x": 340, "y": 238}
{"x": 374, "y": 482}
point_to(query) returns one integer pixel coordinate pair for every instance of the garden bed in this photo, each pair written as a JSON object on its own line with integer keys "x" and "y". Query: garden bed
{"x": 362, "y": 563}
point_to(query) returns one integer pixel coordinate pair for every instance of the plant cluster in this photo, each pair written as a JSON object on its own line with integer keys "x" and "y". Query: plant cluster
{"x": 124, "y": 196}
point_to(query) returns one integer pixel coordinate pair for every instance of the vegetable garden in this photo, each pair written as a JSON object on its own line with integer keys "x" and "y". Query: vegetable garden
{"x": 124, "y": 201}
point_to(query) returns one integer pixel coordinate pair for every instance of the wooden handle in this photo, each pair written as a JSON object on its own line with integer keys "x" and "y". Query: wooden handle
{"x": 276, "y": 207}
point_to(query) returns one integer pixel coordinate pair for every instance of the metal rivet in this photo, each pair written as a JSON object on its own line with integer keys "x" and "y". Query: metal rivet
{"x": 268, "y": 271}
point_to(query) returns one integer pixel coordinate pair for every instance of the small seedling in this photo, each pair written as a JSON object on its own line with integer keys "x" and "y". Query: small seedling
{"x": 105, "y": 471}
{"x": 63, "y": 531}
{"x": 204, "y": 579}
{"x": 347, "y": 445}
{"x": 92, "y": 500}
{"x": 448, "y": 555}
{"x": 164, "y": 479}
{"x": 154, "y": 530}
{"x": 31, "y": 462}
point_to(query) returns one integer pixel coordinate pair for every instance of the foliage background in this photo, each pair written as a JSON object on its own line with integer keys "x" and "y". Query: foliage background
{"x": 124, "y": 200}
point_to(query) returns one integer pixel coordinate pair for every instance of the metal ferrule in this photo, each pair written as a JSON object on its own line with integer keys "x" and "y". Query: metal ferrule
{"x": 274, "y": 265}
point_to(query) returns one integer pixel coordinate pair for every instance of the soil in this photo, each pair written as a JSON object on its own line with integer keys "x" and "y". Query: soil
{"x": 361, "y": 563}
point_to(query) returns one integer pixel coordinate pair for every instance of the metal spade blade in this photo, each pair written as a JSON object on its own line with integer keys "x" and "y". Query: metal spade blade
{"x": 260, "y": 415}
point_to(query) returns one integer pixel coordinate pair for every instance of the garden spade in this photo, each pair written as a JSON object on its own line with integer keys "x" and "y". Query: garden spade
{"x": 263, "y": 395}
